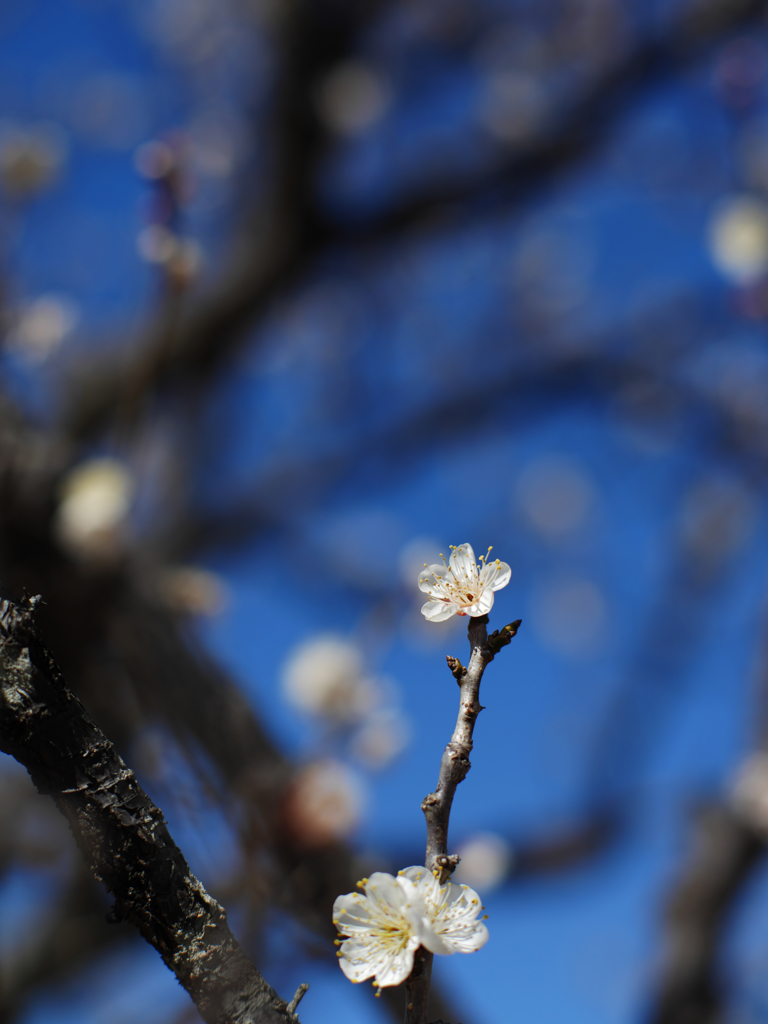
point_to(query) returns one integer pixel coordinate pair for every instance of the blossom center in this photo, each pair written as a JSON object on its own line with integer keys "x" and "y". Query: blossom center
{"x": 458, "y": 591}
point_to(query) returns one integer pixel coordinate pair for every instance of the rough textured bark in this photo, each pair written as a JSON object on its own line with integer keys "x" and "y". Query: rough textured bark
{"x": 121, "y": 833}
{"x": 132, "y": 660}
{"x": 454, "y": 766}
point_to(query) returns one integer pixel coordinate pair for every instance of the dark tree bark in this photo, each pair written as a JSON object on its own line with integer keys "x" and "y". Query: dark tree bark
{"x": 121, "y": 833}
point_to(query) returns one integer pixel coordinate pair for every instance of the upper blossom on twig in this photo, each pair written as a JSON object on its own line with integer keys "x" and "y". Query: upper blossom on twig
{"x": 385, "y": 926}
{"x": 463, "y": 586}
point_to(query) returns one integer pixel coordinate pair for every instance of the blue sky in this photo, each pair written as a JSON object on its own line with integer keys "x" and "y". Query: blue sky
{"x": 407, "y": 387}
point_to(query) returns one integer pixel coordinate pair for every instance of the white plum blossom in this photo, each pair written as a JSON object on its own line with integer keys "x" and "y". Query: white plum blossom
{"x": 462, "y": 586}
{"x": 384, "y": 926}
{"x": 325, "y": 803}
{"x": 485, "y": 860}
{"x": 325, "y": 676}
{"x": 92, "y": 518}
{"x": 452, "y": 912}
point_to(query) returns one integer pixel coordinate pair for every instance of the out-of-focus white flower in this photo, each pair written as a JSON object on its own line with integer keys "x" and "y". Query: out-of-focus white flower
{"x": 92, "y": 515}
{"x": 381, "y": 738}
{"x": 738, "y": 239}
{"x": 30, "y": 158}
{"x": 41, "y": 326}
{"x": 324, "y": 676}
{"x": 556, "y": 496}
{"x": 384, "y": 927}
{"x": 485, "y": 860}
{"x": 154, "y": 159}
{"x": 193, "y": 591}
{"x": 461, "y": 587}
{"x": 324, "y": 804}
{"x": 156, "y": 243}
{"x": 181, "y": 257}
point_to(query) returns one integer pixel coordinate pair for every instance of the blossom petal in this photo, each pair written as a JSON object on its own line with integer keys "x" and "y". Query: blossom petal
{"x": 429, "y": 576}
{"x": 369, "y": 956}
{"x": 449, "y": 912}
{"x": 495, "y": 574}
{"x": 382, "y": 929}
{"x": 455, "y": 921}
{"x": 463, "y": 562}
{"x": 503, "y": 577}
{"x": 356, "y": 970}
{"x": 417, "y": 877}
{"x": 433, "y": 942}
{"x": 353, "y": 918}
{"x": 438, "y": 611}
{"x": 386, "y": 925}
{"x": 466, "y": 940}
{"x": 488, "y": 574}
{"x": 482, "y": 605}
{"x": 353, "y": 903}
{"x": 393, "y": 970}
{"x": 383, "y": 888}
{"x": 415, "y": 873}
{"x": 457, "y": 894}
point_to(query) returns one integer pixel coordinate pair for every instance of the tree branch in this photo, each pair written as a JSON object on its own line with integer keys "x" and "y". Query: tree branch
{"x": 284, "y": 231}
{"x": 280, "y": 230}
{"x": 131, "y": 661}
{"x": 454, "y": 766}
{"x": 581, "y": 125}
{"x": 121, "y": 833}
{"x": 725, "y": 855}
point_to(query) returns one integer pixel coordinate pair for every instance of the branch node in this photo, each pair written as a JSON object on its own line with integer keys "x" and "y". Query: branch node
{"x": 457, "y": 669}
{"x": 500, "y": 638}
{"x": 429, "y": 801}
{"x": 445, "y": 865}
{"x": 301, "y": 991}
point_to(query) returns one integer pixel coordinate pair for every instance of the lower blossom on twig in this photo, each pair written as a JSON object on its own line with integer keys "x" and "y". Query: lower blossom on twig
{"x": 385, "y": 925}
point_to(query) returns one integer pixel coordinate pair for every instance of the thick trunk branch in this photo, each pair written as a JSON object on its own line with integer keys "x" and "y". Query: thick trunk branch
{"x": 454, "y": 766}
{"x": 121, "y": 833}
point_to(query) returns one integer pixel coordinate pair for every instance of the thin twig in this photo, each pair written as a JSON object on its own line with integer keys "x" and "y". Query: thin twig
{"x": 301, "y": 991}
{"x": 454, "y": 766}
